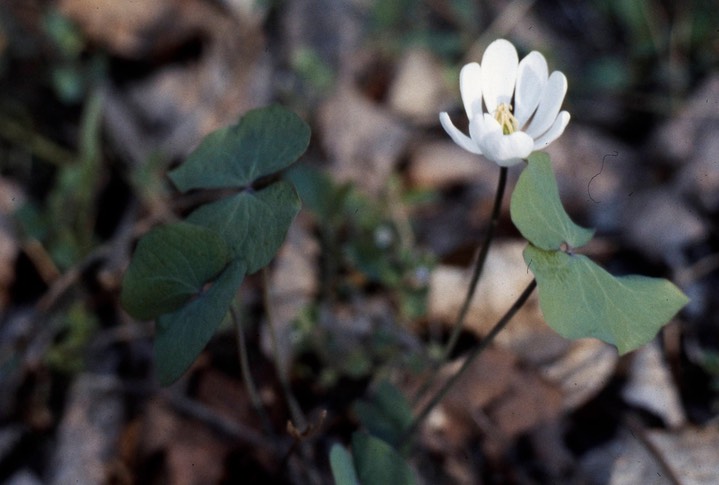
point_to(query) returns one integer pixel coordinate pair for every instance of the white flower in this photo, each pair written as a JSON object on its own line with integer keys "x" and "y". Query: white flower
{"x": 499, "y": 134}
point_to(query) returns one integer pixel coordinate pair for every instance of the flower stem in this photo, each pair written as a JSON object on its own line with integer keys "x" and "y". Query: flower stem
{"x": 498, "y": 327}
{"x": 246, "y": 374}
{"x": 479, "y": 266}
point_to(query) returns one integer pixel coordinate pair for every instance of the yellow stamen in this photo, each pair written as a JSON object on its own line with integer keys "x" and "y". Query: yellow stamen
{"x": 506, "y": 119}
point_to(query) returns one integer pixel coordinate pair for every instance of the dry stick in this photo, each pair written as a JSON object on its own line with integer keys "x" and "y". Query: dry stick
{"x": 36, "y": 143}
{"x": 247, "y": 375}
{"x": 498, "y": 327}
{"x": 481, "y": 259}
{"x": 219, "y": 423}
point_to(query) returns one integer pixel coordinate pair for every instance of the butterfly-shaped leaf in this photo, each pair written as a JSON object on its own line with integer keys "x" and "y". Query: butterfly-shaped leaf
{"x": 253, "y": 223}
{"x": 537, "y": 211}
{"x": 263, "y": 142}
{"x": 181, "y": 335}
{"x": 377, "y": 462}
{"x": 580, "y": 299}
{"x": 170, "y": 265}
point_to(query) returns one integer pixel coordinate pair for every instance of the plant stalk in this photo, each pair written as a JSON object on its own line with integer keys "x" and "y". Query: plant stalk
{"x": 479, "y": 266}
{"x": 247, "y": 375}
{"x": 498, "y": 327}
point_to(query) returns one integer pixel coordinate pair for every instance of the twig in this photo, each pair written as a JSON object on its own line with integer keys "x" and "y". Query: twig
{"x": 230, "y": 429}
{"x": 38, "y": 145}
{"x": 41, "y": 260}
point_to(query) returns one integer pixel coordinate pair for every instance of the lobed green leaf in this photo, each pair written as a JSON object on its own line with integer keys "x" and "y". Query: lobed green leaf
{"x": 253, "y": 224}
{"x": 263, "y": 142}
{"x": 537, "y": 211}
{"x": 377, "y": 462}
{"x": 181, "y": 335}
{"x": 580, "y": 299}
{"x": 343, "y": 469}
{"x": 387, "y": 415}
{"x": 170, "y": 265}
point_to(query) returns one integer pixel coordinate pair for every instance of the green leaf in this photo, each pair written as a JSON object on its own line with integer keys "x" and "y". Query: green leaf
{"x": 263, "y": 142}
{"x": 182, "y": 335}
{"x": 387, "y": 415}
{"x": 580, "y": 299}
{"x": 377, "y": 462}
{"x": 254, "y": 224}
{"x": 319, "y": 193}
{"x": 171, "y": 264}
{"x": 537, "y": 211}
{"x": 343, "y": 469}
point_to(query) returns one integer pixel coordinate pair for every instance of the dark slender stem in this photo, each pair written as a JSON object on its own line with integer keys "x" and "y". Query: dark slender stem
{"x": 479, "y": 266}
{"x": 477, "y": 273}
{"x": 247, "y": 375}
{"x": 498, "y": 327}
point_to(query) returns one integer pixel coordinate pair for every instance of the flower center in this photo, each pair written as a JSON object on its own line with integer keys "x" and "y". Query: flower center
{"x": 506, "y": 119}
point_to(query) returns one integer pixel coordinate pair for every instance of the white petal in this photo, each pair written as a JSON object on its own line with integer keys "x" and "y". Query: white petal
{"x": 506, "y": 150}
{"x": 531, "y": 78}
{"x": 482, "y": 126}
{"x": 502, "y": 149}
{"x": 457, "y": 136}
{"x": 470, "y": 85}
{"x": 549, "y": 105}
{"x": 554, "y": 132}
{"x": 499, "y": 73}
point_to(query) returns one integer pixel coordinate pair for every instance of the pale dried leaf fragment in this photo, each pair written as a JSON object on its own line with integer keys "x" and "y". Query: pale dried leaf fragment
{"x": 23, "y": 477}
{"x": 11, "y": 198}
{"x": 497, "y": 397}
{"x": 450, "y": 424}
{"x": 292, "y": 285}
{"x": 651, "y": 386}
{"x": 529, "y": 403}
{"x": 439, "y": 164}
{"x": 690, "y": 141}
{"x": 583, "y": 371}
{"x": 131, "y": 29}
{"x": 417, "y": 89}
{"x": 691, "y": 453}
{"x": 363, "y": 140}
{"x": 89, "y": 430}
{"x": 686, "y": 456}
{"x": 504, "y": 278}
{"x": 660, "y": 222}
{"x": 677, "y": 139}
{"x": 194, "y": 453}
